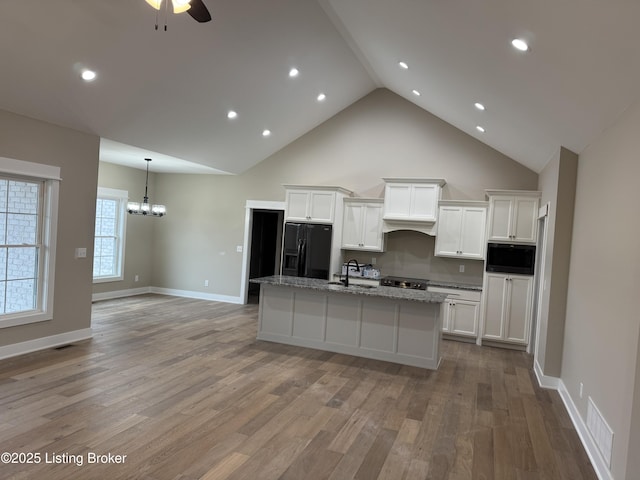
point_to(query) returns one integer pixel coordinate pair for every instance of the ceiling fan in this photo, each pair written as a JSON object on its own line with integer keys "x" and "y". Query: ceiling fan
{"x": 195, "y": 8}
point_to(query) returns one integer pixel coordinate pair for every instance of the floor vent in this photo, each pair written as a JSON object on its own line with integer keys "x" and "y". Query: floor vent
{"x": 600, "y": 431}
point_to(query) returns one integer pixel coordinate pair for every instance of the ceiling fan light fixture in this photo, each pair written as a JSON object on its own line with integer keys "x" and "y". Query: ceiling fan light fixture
{"x": 155, "y": 3}
{"x": 180, "y": 6}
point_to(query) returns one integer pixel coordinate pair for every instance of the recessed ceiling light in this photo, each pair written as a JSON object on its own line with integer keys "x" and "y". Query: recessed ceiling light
{"x": 88, "y": 75}
{"x": 520, "y": 44}
{"x": 479, "y": 106}
{"x": 480, "y": 129}
{"x": 321, "y": 97}
{"x": 416, "y": 93}
{"x": 403, "y": 65}
{"x": 232, "y": 114}
{"x": 266, "y": 133}
{"x": 293, "y": 72}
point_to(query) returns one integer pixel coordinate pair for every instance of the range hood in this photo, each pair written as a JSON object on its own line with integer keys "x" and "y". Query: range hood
{"x": 428, "y": 228}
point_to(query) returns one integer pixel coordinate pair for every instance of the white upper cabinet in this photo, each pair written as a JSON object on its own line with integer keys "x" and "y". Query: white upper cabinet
{"x": 312, "y": 204}
{"x": 362, "y": 224}
{"x": 461, "y": 230}
{"x": 412, "y": 199}
{"x": 513, "y": 216}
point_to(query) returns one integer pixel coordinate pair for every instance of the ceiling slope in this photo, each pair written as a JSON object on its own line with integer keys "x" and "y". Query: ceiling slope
{"x": 167, "y": 93}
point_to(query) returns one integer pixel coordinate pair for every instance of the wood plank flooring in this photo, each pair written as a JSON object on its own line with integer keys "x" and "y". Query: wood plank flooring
{"x": 184, "y": 390}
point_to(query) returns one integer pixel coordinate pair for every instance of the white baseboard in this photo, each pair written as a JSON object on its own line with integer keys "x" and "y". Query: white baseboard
{"x": 120, "y": 294}
{"x": 599, "y": 464}
{"x": 199, "y": 295}
{"x": 545, "y": 381}
{"x": 166, "y": 291}
{"x": 45, "y": 342}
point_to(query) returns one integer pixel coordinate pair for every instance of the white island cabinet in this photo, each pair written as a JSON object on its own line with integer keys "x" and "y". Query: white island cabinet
{"x": 382, "y": 323}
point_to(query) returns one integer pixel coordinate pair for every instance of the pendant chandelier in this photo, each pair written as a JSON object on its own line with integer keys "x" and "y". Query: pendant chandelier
{"x": 144, "y": 208}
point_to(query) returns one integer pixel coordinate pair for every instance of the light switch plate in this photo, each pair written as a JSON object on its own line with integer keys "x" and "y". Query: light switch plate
{"x": 81, "y": 253}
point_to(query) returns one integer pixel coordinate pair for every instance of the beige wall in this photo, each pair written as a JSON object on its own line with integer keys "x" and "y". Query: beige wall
{"x": 379, "y": 136}
{"x": 76, "y": 154}
{"x": 139, "y": 231}
{"x": 602, "y": 322}
{"x": 557, "y": 181}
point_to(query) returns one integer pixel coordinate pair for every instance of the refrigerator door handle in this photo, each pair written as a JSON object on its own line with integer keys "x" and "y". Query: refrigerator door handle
{"x": 300, "y": 265}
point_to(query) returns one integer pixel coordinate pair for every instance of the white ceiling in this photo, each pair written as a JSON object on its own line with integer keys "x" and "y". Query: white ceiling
{"x": 165, "y": 94}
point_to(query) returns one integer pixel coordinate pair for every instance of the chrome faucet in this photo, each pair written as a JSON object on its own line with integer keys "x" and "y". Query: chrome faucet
{"x": 346, "y": 277}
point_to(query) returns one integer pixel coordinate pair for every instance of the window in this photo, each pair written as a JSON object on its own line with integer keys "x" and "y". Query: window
{"x": 108, "y": 250}
{"x": 28, "y": 222}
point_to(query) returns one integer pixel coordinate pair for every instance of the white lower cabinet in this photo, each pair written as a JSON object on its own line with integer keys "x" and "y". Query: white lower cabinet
{"x": 460, "y": 312}
{"x": 507, "y": 307}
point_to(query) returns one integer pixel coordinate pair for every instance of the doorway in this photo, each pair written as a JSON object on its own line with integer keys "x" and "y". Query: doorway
{"x": 264, "y": 257}
{"x": 541, "y": 253}
{"x": 262, "y": 245}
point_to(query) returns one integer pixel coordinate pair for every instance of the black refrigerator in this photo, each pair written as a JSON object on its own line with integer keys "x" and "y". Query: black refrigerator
{"x": 307, "y": 250}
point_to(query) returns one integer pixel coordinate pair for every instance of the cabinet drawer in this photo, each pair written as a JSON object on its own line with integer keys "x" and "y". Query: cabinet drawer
{"x": 470, "y": 295}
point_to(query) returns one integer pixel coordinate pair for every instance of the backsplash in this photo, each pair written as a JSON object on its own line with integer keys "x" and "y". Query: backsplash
{"x": 410, "y": 254}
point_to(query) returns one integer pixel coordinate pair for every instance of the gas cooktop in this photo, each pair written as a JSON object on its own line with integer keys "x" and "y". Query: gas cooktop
{"x": 403, "y": 282}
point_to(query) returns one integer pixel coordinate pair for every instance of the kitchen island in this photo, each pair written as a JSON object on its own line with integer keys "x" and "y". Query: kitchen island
{"x": 383, "y": 323}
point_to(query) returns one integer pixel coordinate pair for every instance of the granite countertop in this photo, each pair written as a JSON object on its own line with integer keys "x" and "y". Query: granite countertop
{"x": 325, "y": 286}
{"x": 459, "y": 286}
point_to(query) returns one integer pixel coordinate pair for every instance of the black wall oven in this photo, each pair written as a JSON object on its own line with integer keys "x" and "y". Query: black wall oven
{"x": 511, "y": 258}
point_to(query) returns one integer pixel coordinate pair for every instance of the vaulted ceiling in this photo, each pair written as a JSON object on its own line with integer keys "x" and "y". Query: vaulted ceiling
{"x": 166, "y": 94}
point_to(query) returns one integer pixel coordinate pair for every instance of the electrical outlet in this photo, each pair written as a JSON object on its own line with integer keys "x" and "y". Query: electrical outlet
{"x": 239, "y": 248}
{"x": 461, "y": 268}
{"x": 81, "y": 253}
{"x": 206, "y": 283}
{"x": 373, "y": 260}
{"x": 136, "y": 278}
{"x": 581, "y": 389}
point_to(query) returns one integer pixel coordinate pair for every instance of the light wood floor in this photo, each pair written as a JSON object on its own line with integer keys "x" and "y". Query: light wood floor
{"x": 183, "y": 389}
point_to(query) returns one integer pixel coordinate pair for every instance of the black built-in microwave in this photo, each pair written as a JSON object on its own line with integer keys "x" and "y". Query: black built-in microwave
{"x": 511, "y": 258}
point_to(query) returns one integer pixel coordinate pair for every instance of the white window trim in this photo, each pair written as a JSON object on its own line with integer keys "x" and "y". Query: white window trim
{"x": 122, "y": 196}
{"x": 51, "y": 177}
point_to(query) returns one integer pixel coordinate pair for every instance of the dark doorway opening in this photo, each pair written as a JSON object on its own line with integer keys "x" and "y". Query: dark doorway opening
{"x": 266, "y": 242}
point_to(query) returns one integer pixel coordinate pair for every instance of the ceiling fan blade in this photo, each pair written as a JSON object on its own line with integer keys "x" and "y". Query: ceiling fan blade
{"x": 199, "y": 11}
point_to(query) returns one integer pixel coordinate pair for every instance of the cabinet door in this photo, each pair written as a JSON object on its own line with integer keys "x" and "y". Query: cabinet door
{"x": 472, "y": 241}
{"x": 495, "y": 291}
{"x": 297, "y": 202}
{"x": 449, "y": 231}
{"x": 518, "y": 309}
{"x": 501, "y": 212}
{"x": 321, "y": 206}
{"x": 397, "y": 201}
{"x": 372, "y": 238}
{"x": 424, "y": 202}
{"x": 352, "y": 225}
{"x": 445, "y": 314}
{"x": 464, "y": 318}
{"x": 525, "y": 221}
